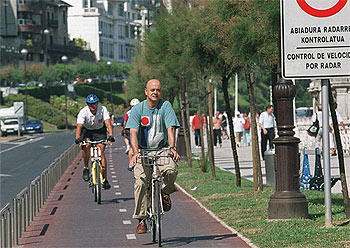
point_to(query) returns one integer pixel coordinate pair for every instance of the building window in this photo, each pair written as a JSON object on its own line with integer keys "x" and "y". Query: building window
{"x": 121, "y": 9}
{"x": 64, "y": 17}
{"x": 121, "y": 51}
{"x": 127, "y": 31}
{"x": 85, "y": 4}
{"x": 110, "y": 8}
{"x": 121, "y": 32}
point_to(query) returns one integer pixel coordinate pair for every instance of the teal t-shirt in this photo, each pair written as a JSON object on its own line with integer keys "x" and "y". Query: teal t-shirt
{"x": 152, "y": 123}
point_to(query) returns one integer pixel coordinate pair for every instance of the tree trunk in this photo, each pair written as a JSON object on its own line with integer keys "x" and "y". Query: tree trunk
{"x": 340, "y": 154}
{"x": 210, "y": 134}
{"x": 257, "y": 175}
{"x": 188, "y": 145}
{"x": 203, "y": 160}
{"x": 224, "y": 81}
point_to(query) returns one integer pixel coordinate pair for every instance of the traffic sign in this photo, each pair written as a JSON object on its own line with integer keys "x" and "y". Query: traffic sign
{"x": 315, "y": 40}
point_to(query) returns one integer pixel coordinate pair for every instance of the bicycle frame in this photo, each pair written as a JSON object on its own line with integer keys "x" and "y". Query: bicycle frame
{"x": 96, "y": 168}
{"x": 155, "y": 211}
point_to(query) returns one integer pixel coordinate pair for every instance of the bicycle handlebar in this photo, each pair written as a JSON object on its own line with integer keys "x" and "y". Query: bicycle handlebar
{"x": 86, "y": 142}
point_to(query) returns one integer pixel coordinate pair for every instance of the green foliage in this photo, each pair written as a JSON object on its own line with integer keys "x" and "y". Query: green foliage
{"x": 84, "y": 90}
{"x": 80, "y": 43}
{"x": 44, "y": 93}
{"x": 73, "y": 107}
{"x": 117, "y": 86}
{"x": 38, "y": 109}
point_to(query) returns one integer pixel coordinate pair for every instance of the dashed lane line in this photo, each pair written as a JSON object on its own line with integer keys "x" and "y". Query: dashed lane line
{"x": 131, "y": 236}
{"x": 122, "y": 210}
{"x": 114, "y": 181}
{"x": 126, "y": 222}
{"x": 118, "y": 193}
{"x": 116, "y": 186}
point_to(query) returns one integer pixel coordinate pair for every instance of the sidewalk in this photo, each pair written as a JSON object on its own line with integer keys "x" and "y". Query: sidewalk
{"x": 224, "y": 160}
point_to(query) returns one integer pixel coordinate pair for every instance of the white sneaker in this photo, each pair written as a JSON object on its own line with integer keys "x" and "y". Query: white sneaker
{"x": 127, "y": 149}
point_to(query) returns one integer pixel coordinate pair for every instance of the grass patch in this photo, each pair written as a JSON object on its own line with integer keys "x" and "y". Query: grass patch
{"x": 246, "y": 211}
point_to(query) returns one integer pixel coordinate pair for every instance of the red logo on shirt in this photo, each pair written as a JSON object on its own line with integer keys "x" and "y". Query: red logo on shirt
{"x": 145, "y": 121}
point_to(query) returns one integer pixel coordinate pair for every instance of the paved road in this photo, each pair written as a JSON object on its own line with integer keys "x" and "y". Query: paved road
{"x": 70, "y": 218}
{"x": 22, "y": 160}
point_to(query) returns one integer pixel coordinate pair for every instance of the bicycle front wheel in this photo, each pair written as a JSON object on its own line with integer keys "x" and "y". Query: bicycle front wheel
{"x": 98, "y": 186}
{"x": 158, "y": 211}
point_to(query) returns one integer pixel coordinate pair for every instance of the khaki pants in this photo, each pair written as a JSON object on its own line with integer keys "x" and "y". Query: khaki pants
{"x": 142, "y": 175}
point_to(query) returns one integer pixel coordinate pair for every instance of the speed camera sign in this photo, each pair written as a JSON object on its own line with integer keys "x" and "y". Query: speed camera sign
{"x": 315, "y": 38}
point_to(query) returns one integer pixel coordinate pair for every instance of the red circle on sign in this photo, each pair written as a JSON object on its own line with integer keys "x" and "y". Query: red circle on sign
{"x": 145, "y": 121}
{"x": 322, "y": 12}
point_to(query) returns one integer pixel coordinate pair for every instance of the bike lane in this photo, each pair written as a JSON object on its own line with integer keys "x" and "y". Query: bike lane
{"x": 71, "y": 218}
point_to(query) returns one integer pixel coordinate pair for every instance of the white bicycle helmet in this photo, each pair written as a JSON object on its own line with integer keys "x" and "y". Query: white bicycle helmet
{"x": 134, "y": 101}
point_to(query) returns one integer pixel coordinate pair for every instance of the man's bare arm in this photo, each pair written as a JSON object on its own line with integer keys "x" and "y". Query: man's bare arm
{"x": 134, "y": 145}
{"x": 171, "y": 141}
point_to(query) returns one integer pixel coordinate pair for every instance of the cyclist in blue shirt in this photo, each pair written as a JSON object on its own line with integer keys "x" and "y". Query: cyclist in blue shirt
{"x": 152, "y": 124}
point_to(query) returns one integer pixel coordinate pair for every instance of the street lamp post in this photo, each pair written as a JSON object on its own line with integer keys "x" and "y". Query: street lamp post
{"x": 24, "y": 52}
{"x": 64, "y": 60}
{"x": 46, "y": 55}
{"x": 109, "y": 64}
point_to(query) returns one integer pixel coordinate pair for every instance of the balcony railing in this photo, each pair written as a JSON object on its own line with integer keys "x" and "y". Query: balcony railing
{"x": 65, "y": 48}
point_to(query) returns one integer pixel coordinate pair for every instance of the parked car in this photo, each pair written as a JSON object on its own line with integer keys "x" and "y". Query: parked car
{"x": 118, "y": 120}
{"x": 34, "y": 126}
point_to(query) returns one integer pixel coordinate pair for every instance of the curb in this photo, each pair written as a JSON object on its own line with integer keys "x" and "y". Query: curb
{"x": 246, "y": 240}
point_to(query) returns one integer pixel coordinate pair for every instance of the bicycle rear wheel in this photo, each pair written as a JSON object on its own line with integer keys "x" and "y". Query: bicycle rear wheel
{"x": 158, "y": 211}
{"x": 98, "y": 186}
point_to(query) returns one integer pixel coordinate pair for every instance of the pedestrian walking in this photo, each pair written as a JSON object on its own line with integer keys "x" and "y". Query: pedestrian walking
{"x": 238, "y": 123}
{"x": 267, "y": 124}
{"x": 196, "y": 129}
{"x": 246, "y": 130}
{"x": 217, "y": 121}
{"x": 224, "y": 126}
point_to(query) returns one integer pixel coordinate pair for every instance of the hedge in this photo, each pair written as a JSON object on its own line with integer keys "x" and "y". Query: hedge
{"x": 85, "y": 89}
{"x": 44, "y": 93}
{"x": 117, "y": 86}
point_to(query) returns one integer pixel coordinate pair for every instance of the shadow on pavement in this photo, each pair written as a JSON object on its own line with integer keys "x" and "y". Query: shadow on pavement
{"x": 181, "y": 241}
{"x": 117, "y": 200}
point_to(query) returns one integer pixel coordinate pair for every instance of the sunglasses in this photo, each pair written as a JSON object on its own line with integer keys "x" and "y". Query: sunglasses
{"x": 92, "y": 104}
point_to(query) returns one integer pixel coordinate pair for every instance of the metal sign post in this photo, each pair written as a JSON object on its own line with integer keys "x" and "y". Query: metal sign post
{"x": 326, "y": 155}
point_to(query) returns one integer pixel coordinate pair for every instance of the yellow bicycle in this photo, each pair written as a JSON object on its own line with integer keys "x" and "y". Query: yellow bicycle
{"x": 96, "y": 178}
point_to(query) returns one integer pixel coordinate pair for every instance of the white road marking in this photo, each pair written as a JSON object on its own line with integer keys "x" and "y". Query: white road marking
{"x": 114, "y": 181}
{"x": 26, "y": 142}
{"x": 118, "y": 193}
{"x": 111, "y": 168}
{"x": 5, "y": 175}
{"x": 122, "y": 210}
{"x": 46, "y": 147}
{"x": 131, "y": 236}
{"x": 116, "y": 186}
{"x": 126, "y": 222}
{"x": 113, "y": 172}
{"x": 114, "y": 176}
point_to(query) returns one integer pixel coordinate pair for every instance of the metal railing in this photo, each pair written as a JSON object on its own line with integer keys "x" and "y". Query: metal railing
{"x": 16, "y": 217}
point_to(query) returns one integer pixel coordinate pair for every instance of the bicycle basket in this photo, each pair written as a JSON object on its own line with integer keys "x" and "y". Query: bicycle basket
{"x": 159, "y": 157}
